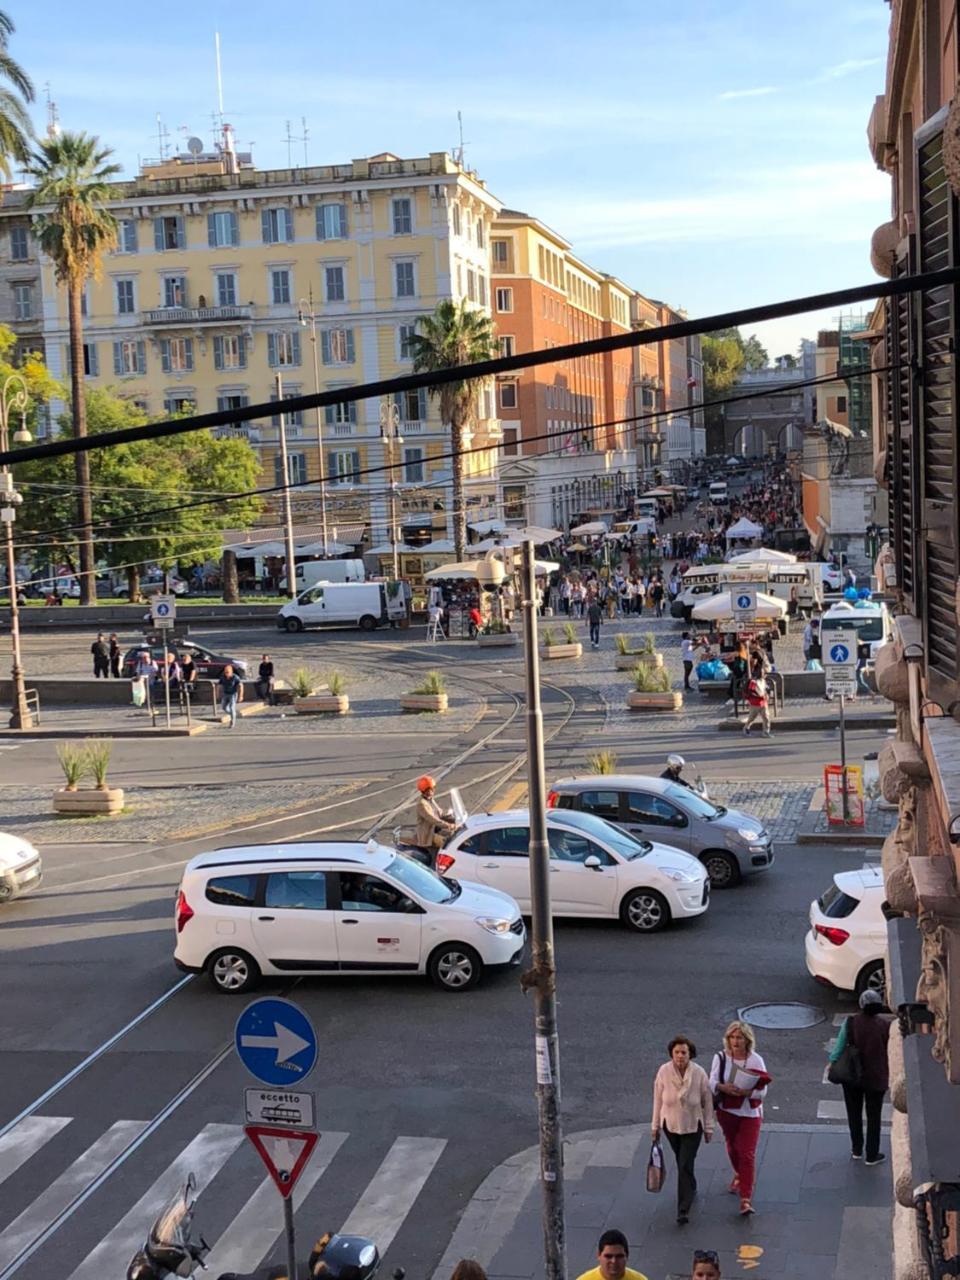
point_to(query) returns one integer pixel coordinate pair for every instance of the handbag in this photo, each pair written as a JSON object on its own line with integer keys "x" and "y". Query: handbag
{"x": 718, "y": 1097}
{"x": 847, "y": 1066}
{"x": 656, "y": 1173}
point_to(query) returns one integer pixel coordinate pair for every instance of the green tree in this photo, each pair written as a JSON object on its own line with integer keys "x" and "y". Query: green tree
{"x": 755, "y": 353}
{"x": 16, "y": 131}
{"x": 75, "y": 228}
{"x": 455, "y": 334}
{"x": 723, "y": 363}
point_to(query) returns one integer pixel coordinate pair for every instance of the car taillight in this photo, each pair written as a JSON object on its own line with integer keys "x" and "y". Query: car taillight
{"x": 552, "y": 799}
{"x": 184, "y": 911}
{"x": 837, "y": 936}
{"x": 444, "y": 862}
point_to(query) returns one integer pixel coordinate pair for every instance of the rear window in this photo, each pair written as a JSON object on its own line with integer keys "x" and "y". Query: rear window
{"x": 836, "y": 904}
{"x": 232, "y": 891}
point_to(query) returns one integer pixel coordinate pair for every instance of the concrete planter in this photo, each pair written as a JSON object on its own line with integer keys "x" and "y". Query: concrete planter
{"x": 630, "y": 661}
{"x": 498, "y": 640}
{"x": 424, "y": 702}
{"x": 553, "y": 651}
{"x": 322, "y": 703}
{"x": 88, "y": 802}
{"x": 671, "y": 701}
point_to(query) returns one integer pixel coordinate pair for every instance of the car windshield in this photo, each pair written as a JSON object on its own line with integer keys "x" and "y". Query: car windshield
{"x": 696, "y": 804}
{"x": 620, "y": 842}
{"x": 420, "y": 880}
{"x": 868, "y": 626}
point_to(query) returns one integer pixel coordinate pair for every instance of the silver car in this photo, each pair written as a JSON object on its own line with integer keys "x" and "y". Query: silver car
{"x": 730, "y": 844}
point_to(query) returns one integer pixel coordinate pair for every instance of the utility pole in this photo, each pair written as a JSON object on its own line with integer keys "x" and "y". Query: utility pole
{"x": 287, "y": 514}
{"x": 307, "y": 316}
{"x": 542, "y": 973}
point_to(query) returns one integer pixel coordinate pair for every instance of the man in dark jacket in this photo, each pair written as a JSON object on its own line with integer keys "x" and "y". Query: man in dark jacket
{"x": 594, "y": 617}
{"x": 869, "y": 1032}
{"x": 101, "y": 656}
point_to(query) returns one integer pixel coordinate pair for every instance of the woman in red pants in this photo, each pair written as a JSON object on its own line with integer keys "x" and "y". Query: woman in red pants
{"x": 739, "y": 1081}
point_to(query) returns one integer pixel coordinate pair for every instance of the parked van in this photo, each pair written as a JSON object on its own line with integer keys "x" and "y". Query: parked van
{"x": 312, "y": 571}
{"x": 870, "y": 619}
{"x": 356, "y": 604}
{"x": 634, "y": 528}
{"x": 718, "y": 491}
{"x": 698, "y": 583}
{"x": 649, "y": 507}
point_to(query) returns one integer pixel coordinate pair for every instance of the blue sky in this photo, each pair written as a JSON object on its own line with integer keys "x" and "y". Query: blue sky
{"x": 710, "y": 154}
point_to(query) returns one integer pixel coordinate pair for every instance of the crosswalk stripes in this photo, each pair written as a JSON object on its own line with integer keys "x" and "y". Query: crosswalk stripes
{"x": 380, "y": 1211}
{"x": 26, "y": 1139}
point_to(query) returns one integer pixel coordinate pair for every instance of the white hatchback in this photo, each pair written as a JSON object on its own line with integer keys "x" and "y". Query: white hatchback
{"x": 847, "y": 939}
{"x": 595, "y": 868}
{"x": 335, "y": 908}
{"x": 20, "y": 867}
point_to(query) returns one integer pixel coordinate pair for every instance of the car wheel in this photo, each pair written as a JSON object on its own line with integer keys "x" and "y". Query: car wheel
{"x": 455, "y": 967}
{"x": 645, "y": 911}
{"x": 233, "y": 972}
{"x": 722, "y": 868}
{"x": 368, "y": 622}
{"x": 872, "y": 977}
{"x": 294, "y": 624}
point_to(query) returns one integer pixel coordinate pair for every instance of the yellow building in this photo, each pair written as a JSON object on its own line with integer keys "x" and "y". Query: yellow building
{"x": 210, "y": 293}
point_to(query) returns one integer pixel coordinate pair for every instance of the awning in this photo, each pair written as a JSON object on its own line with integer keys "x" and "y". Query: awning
{"x": 488, "y": 526}
{"x": 592, "y": 529}
{"x": 744, "y": 528}
{"x": 719, "y": 607}
{"x": 764, "y": 555}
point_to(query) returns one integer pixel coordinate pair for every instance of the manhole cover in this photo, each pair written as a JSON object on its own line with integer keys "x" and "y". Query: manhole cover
{"x": 782, "y": 1017}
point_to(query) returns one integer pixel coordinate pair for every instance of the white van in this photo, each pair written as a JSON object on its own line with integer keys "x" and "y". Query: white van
{"x": 698, "y": 583}
{"x": 870, "y": 619}
{"x": 312, "y": 571}
{"x": 649, "y": 507}
{"x": 357, "y": 604}
{"x": 634, "y": 528}
{"x": 718, "y": 491}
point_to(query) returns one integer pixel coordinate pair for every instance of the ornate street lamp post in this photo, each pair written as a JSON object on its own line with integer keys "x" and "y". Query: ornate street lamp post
{"x": 13, "y": 397}
{"x": 390, "y": 433}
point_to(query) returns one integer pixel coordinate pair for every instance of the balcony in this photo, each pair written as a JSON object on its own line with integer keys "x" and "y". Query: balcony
{"x": 190, "y": 317}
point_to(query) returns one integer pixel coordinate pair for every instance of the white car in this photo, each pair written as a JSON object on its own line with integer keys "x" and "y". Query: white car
{"x": 847, "y": 940}
{"x": 337, "y": 907}
{"x": 595, "y": 868}
{"x": 20, "y": 867}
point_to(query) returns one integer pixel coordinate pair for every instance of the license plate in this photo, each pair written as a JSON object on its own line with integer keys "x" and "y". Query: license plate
{"x": 30, "y": 875}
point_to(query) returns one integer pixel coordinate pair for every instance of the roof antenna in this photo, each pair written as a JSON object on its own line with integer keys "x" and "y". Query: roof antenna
{"x": 163, "y": 139}
{"x": 458, "y": 153}
{"x": 216, "y": 38}
{"x": 53, "y": 115}
{"x": 297, "y": 137}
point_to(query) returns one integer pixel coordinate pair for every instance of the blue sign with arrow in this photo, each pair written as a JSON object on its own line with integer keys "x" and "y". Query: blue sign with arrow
{"x": 276, "y": 1042}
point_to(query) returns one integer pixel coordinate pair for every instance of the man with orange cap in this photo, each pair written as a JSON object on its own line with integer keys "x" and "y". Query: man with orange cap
{"x": 433, "y": 825}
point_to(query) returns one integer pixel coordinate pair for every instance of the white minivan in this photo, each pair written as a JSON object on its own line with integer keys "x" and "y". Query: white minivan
{"x": 355, "y": 604}
{"x": 312, "y": 571}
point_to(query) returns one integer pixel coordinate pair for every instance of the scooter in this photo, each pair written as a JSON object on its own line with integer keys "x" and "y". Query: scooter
{"x": 456, "y": 816}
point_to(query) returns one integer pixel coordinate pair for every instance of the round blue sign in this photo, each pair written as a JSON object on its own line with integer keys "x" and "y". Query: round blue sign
{"x": 276, "y": 1042}
{"x": 744, "y": 602}
{"x": 840, "y": 653}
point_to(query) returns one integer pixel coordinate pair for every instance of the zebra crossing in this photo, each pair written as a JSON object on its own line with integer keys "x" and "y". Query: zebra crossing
{"x": 221, "y": 1160}
{"x": 833, "y": 1108}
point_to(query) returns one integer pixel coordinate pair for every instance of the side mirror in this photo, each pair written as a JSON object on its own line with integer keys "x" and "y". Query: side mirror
{"x": 593, "y": 862}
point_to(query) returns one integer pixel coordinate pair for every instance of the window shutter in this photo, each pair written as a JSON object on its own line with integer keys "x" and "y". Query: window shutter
{"x": 181, "y": 234}
{"x": 265, "y": 225}
{"x": 278, "y": 469}
{"x": 141, "y": 357}
{"x": 212, "y": 230}
{"x": 321, "y": 228}
{"x": 325, "y": 346}
{"x": 242, "y": 345}
{"x": 352, "y": 412}
{"x": 158, "y": 234}
{"x": 296, "y": 346}
{"x": 422, "y": 403}
{"x": 272, "y": 350}
{"x": 234, "y": 228}
{"x": 117, "y": 359}
{"x": 332, "y": 475}
{"x": 288, "y": 225}
{"x": 354, "y": 461}
{"x": 350, "y": 348}
{"x": 188, "y": 345}
{"x": 341, "y": 219}
{"x": 165, "y": 354}
{"x": 218, "y": 353}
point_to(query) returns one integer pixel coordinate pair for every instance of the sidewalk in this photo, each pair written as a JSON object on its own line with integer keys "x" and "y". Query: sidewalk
{"x": 820, "y": 1215}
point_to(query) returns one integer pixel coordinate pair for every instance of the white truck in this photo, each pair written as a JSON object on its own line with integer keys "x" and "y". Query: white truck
{"x": 353, "y": 604}
{"x": 312, "y": 571}
{"x": 718, "y": 492}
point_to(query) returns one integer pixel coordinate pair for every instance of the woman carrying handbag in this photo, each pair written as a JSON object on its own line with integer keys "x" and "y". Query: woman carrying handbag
{"x": 683, "y": 1109}
{"x": 858, "y": 1063}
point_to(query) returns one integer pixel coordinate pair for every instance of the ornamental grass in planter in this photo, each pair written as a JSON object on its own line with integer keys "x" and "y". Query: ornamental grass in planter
{"x": 496, "y": 633}
{"x": 602, "y": 762}
{"x": 568, "y": 647}
{"x": 429, "y": 695}
{"x": 652, "y": 691}
{"x": 629, "y": 659}
{"x": 333, "y": 701}
{"x": 79, "y": 761}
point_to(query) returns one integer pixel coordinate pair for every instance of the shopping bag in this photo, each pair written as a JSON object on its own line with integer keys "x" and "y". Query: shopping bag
{"x": 655, "y": 1170}
{"x": 138, "y": 689}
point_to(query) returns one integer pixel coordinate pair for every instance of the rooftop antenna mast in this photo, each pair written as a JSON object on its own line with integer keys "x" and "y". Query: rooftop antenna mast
{"x": 53, "y": 115}
{"x": 216, "y": 38}
{"x": 163, "y": 139}
{"x": 459, "y": 151}
{"x": 294, "y": 137}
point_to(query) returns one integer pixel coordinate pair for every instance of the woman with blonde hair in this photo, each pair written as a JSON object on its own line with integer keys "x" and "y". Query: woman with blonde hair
{"x": 739, "y": 1079}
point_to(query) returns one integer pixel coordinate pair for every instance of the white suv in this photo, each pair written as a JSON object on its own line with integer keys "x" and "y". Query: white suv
{"x": 338, "y": 907}
{"x": 847, "y": 940}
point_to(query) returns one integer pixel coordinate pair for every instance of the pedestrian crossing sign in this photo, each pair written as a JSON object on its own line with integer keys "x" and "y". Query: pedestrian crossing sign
{"x": 285, "y": 1153}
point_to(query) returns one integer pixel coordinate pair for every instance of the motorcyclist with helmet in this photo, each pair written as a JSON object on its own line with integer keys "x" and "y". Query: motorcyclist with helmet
{"x": 434, "y": 825}
{"x": 674, "y": 771}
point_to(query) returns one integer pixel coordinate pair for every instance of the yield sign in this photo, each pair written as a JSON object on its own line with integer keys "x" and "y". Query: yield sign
{"x": 285, "y": 1152}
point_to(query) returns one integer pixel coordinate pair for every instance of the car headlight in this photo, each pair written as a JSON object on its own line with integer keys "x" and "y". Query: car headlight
{"x": 751, "y": 836}
{"x": 493, "y": 924}
{"x": 682, "y": 876}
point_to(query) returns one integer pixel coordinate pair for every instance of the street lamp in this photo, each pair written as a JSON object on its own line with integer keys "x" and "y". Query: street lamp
{"x": 308, "y": 318}
{"x": 390, "y": 434}
{"x": 13, "y": 396}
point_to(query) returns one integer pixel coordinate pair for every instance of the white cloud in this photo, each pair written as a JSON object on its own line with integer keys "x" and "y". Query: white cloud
{"x": 848, "y": 68}
{"x": 762, "y": 92}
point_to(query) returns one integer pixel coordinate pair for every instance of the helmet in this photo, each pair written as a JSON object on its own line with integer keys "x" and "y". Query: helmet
{"x": 426, "y": 783}
{"x": 675, "y": 761}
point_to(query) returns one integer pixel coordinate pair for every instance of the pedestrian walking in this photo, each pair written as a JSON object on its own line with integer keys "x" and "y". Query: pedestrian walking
{"x": 739, "y": 674}
{"x": 863, "y": 657}
{"x": 594, "y": 617}
{"x": 867, "y": 1034}
{"x": 683, "y": 1109}
{"x": 739, "y": 1079}
{"x": 101, "y": 656}
{"x": 656, "y": 593}
{"x": 231, "y": 692}
{"x": 612, "y": 1254}
{"x": 188, "y": 673}
{"x": 758, "y": 704}
{"x": 115, "y": 655}
{"x": 686, "y": 657}
{"x": 265, "y": 679}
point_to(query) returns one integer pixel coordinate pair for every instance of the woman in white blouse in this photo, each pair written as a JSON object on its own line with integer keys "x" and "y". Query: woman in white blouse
{"x": 683, "y": 1109}
{"x": 740, "y": 1105}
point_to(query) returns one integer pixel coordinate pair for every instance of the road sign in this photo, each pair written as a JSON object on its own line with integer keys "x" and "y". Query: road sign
{"x": 839, "y": 649}
{"x": 163, "y": 611}
{"x": 276, "y": 1042}
{"x": 282, "y": 1108}
{"x": 743, "y": 596}
{"x": 285, "y": 1152}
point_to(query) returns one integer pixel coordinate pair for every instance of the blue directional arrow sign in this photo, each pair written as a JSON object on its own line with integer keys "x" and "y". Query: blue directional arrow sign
{"x": 276, "y": 1042}
{"x": 839, "y": 653}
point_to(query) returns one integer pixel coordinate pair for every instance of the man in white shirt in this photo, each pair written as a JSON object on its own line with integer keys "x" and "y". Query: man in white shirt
{"x": 686, "y": 656}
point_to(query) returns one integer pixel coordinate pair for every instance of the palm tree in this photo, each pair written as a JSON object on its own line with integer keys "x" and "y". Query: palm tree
{"x": 75, "y": 228}
{"x": 16, "y": 131}
{"x": 455, "y": 335}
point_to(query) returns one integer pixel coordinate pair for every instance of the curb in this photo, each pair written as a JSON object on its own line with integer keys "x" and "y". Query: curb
{"x": 815, "y": 723}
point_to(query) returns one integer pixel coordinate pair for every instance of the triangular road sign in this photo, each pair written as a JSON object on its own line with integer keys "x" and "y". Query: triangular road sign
{"x": 285, "y": 1152}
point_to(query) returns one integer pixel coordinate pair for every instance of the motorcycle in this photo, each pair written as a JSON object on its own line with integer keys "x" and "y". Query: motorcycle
{"x": 456, "y": 816}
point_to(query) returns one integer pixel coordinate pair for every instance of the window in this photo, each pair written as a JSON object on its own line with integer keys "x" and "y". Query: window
{"x": 235, "y": 400}
{"x": 331, "y": 222}
{"x": 229, "y": 352}
{"x": 342, "y": 414}
{"x": 168, "y": 233}
{"x": 276, "y": 225}
{"x": 457, "y": 221}
{"x": 412, "y": 466}
{"x": 515, "y": 501}
{"x": 222, "y": 229}
{"x": 605, "y": 804}
{"x": 501, "y": 254}
{"x": 509, "y": 842}
{"x": 296, "y": 890}
{"x": 504, "y": 299}
{"x": 226, "y": 289}
{"x": 652, "y": 811}
{"x": 507, "y": 346}
{"x": 283, "y": 349}
{"x": 129, "y": 357}
{"x": 280, "y": 287}
{"x": 174, "y": 291}
{"x": 570, "y": 846}
{"x": 333, "y": 282}
{"x": 91, "y": 360}
{"x": 127, "y": 236}
{"x": 405, "y": 281}
{"x": 296, "y": 468}
{"x": 405, "y": 335}
{"x": 508, "y": 395}
{"x": 174, "y": 405}
{"x": 233, "y": 891}
{"x": 343, "y": 466}
{"x": 23, "y": 302}
{"x": 176, "y": 355}
{"x": 482, "y": 289}
{"x": 480, "y": 234}
{"x": 337, "y": 347}
{"x": 19, "y": 244}
{"x": 412, "y": 405}
{"x": 402, "y": 217}
{"x": 841, "y": 404}
{"x": 126, "y": 302}
{"x": 511, "y": 437}
{"x": 471, "y": 284}
{"x": 293, "y": 418}
{"x": 360, "y": 892}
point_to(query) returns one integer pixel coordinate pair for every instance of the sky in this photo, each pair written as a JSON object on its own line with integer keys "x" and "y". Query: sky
{"x": 712, "y": 155}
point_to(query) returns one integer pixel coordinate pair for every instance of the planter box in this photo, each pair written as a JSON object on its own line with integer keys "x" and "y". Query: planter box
{"x": 630, "y": 661}
{"x": 551, "y": 651}
{"x": 322, "y": 703}
{"x": 671, "y": 701}
{"x": 498, "y": 640}
{"x": 423, "y": 702}
{"x": 88, "y": 801}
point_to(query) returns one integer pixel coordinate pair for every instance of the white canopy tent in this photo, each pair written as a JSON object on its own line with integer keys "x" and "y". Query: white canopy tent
{"x": 466, "y": 569}
{"x": 764, "y": 555}
{"x": 744, "y": 528}
{"x": 386, "y": 549}
{"x": 591, "y": 529}
{"x": 488, "y": 526}
{"x": 719, "y": 608}
{"x": 323, "y": 549}
{"x": 536, "y": 534}
{"x": 439, "y": 547}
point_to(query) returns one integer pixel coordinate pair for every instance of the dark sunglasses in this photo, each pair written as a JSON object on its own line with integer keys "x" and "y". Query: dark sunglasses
{"x": 707, "y": 1255}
